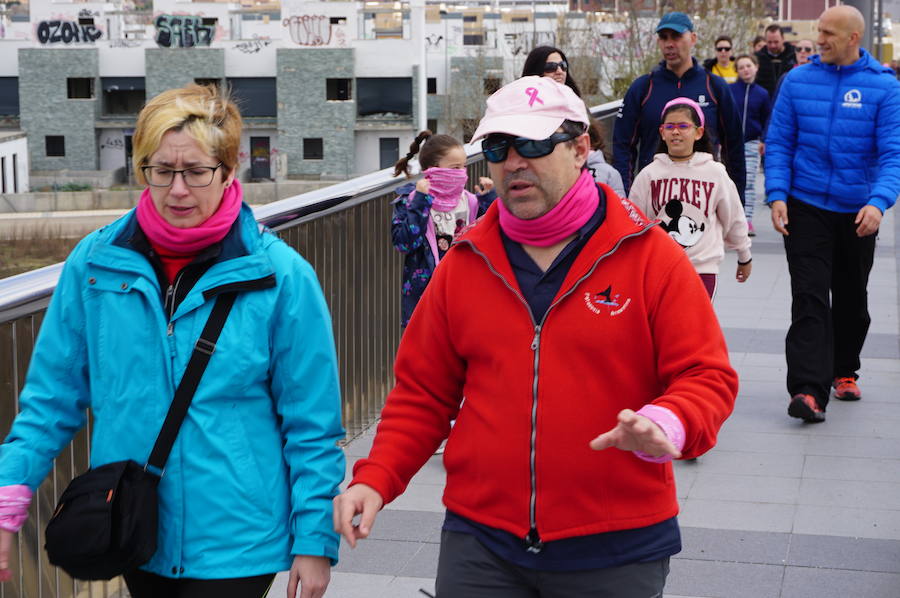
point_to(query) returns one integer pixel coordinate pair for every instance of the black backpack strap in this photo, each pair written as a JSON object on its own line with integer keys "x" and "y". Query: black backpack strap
{"x": 203, "y": 350}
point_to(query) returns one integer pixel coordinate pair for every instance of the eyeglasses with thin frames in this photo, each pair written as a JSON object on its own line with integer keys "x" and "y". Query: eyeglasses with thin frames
{"x": 196, "y": 176}
{"x": 804, "y": 49}
{"x": 679, "y": 126}
{"x": 550, "y": 67}
{"x": 496, "y": 147}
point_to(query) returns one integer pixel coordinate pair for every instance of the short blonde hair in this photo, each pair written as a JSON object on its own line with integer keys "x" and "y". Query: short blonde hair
{"x": 204, "y": 112}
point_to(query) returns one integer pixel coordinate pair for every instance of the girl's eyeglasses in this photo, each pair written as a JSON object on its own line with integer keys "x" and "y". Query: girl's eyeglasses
{"x": 550, "y": 67}
{"x": 496, "y": 147}
{"x": 679, "y": 126}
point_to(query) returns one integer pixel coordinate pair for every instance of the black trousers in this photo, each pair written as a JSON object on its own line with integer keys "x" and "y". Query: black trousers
{"x": 829, "y": 268}
{"x": 466, "y": 569}
{"x": 149, "y": 585}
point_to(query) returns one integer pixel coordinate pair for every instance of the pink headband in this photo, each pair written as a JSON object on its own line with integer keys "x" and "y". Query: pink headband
{"x": 689, "y": 102}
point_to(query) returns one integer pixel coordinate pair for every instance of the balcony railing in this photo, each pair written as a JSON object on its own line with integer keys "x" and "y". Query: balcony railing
{"x": 344, "y": 232}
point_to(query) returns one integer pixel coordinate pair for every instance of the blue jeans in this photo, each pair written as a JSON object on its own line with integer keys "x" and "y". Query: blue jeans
{"x": 751, "y": 156}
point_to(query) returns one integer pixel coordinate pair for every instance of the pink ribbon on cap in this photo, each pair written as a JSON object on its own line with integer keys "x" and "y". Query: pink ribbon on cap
{"x": 532, "y": 92}
{"x": 690, "y": 103}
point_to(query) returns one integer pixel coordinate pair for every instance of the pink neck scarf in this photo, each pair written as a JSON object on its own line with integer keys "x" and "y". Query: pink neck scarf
{"x": 445, "y": 186}
{"x": 571, "y": 213}
{"x": 190, "y": 240}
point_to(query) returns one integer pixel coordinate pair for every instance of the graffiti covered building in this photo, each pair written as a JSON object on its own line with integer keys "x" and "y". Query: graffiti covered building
{"x": 327, "y": 89}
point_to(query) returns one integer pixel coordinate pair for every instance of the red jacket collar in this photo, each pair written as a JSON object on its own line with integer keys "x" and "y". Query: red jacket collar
{"x": 622, "y": 220}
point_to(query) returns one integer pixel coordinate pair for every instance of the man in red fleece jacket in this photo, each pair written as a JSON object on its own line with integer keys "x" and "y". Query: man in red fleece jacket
{"x": 589, "y": 357}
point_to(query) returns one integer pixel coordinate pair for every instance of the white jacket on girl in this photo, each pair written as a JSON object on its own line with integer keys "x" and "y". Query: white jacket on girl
{"x": 698, "y": 205}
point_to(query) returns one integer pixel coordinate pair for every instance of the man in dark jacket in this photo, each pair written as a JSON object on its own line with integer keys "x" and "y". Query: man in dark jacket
{"x": 775, "y": 59}
{"x": 832, "y": 169}
{"x": 636, "y": 133}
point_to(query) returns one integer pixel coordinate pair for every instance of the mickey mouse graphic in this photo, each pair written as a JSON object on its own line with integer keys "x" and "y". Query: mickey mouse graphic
{"x": 683, "y": 229}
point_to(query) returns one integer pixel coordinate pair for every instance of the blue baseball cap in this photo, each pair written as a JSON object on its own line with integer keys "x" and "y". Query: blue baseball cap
{"x": 676, "y": 21}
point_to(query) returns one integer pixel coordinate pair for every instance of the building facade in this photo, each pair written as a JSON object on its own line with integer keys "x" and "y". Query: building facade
{"x": 327, "y": 89}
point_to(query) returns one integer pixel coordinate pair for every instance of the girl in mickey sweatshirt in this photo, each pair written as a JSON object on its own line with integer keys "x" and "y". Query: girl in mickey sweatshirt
{"x": 691, "y": 194}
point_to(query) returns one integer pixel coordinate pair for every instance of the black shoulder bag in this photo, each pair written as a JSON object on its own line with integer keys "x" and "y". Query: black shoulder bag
{"x": 105, "y": 523}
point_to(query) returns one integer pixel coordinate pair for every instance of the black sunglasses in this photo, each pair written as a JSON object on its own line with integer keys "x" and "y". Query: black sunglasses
{"x": 550, "y": 67}
{"x": 496, "y": 147}
{"x": 723, "y": 49}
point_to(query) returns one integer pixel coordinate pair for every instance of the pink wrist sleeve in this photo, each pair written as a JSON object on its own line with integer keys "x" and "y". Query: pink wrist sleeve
{"x": 671, "y": 426}
{"x": 14, "y": 502}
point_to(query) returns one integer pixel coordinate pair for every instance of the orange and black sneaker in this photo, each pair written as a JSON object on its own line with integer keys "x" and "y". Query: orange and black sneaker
{"x": 846, "y": 389}
{"x": 805, "y": 407}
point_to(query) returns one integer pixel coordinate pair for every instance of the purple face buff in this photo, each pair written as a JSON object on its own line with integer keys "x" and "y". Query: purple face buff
{"x": 532, "y": 92}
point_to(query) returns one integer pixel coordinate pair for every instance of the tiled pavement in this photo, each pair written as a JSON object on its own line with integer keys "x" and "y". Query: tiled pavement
{"x": 778, "y": 509}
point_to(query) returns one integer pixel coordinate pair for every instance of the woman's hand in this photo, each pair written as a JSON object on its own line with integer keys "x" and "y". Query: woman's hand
{"x": 312, "y": 573}
{"x": 743, "y": 272}
{"x": 6, "y": 539}
{"x": 423, "y": 186}
{"x": 484, "y": 185}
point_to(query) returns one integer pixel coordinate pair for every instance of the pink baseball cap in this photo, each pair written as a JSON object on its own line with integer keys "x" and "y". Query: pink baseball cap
{"x": 532, "y": 107}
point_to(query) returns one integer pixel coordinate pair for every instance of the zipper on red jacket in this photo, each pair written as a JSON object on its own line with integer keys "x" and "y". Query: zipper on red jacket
{"x": 533, "y": 542}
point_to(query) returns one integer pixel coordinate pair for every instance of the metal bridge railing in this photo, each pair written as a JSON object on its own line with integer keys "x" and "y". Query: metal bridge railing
{"x": 344, "y": 232}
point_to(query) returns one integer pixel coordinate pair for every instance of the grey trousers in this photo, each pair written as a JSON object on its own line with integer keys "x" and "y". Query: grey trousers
{"x": 466, "y": 569}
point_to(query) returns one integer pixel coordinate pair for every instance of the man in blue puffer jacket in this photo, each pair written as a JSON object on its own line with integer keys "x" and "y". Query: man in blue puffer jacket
{"x": 832, "y": 169}
{"x": 636, "y": 133}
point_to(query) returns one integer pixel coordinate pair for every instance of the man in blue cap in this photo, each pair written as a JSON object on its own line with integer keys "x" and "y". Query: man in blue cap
{"x": 636, "y": 134}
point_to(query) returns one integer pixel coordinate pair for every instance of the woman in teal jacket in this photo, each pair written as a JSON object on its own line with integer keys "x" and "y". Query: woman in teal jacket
{"x": 247, "y": 488}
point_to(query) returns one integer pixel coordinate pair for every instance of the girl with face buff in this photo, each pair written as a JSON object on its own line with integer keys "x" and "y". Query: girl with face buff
{"x": 430, "y": 214}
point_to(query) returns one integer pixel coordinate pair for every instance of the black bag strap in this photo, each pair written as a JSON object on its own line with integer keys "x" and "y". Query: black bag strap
{"x": 203, "y": 350}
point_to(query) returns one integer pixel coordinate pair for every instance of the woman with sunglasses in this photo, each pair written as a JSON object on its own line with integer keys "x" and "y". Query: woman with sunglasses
{"x": 547, "y": 61}
{"x": 430, "y": 214}
{"x": 246, "y": 490}
{"x": 722, "y": 64}
{"x": 692, "y": 194}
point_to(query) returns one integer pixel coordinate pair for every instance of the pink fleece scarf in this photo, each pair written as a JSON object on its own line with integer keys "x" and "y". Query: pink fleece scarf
{"x": 445, "y": 186}
{"x": 571, "y": 213}
{"x": 190, "y": 240}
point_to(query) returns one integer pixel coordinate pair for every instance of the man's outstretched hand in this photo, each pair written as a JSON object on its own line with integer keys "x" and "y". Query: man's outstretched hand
{"x": 635, "y": 432}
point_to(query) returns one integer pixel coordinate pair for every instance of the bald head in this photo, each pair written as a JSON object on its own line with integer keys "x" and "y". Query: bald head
{"x": 849, "y": 17}
{"x": 840, "y": 32}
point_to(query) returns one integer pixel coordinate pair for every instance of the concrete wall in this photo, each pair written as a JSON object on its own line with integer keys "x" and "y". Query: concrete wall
{"x": 304, "y": 112}
{"x": 45, "y": 108}
{"x": 168, "y": 68}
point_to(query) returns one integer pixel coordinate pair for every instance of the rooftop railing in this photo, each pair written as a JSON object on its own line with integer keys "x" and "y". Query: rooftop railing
{"x": 344, "y": 232}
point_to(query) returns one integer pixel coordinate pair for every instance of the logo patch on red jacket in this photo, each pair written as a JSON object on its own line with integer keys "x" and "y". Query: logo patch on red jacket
{"x": 606, "y": 302}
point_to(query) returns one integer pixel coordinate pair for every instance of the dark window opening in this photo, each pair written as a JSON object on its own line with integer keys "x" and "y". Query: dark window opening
{"x": 123, "y": 95}
{"x": 80, "y": 88}
{"x": 431, "y": 124}
{"x": 384, "y": 95}
{"x": 210, "y": 82}
{"x": 432, "y": 85}
{"x": 55, "y": 145}
{"x": 209, "y": 21}
{"x": 9, "y": 96}
{"x": 492, "y": 84}
{"x": 85, "y": 20}
{"x": 388, "y": 151}
{"x": 338, "y": 89}
{"x": 15, "y": 173}
{"x": 313, "y": 148}
{"x": 338, "y": 20}
{"x": 256, "y": 96}
{"x": 2, "y": 174}
{"x": 520, "y": 19}
{"x": 473, "y": 40}
{"x": 470, "y": 19}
